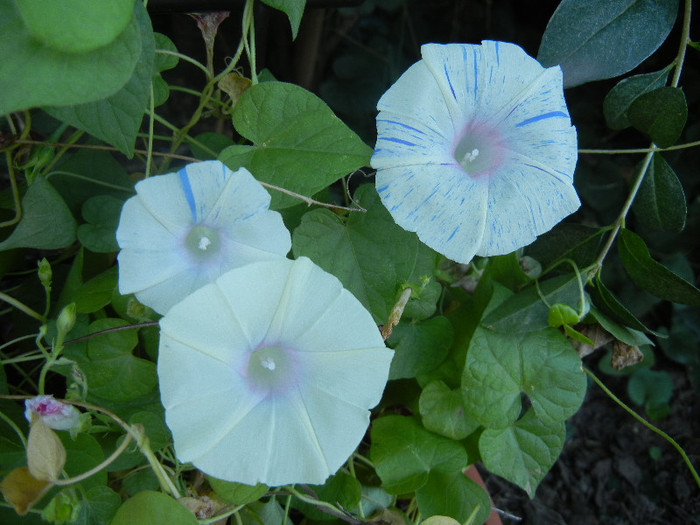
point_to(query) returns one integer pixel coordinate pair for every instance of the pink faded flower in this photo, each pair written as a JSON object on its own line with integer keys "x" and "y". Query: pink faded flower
{"x": 53, "y": 413}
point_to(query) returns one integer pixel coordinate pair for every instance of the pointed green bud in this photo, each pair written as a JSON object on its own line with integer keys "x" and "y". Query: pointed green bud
{"x": 45, "y": 273}
{"x": 66, "y": 320}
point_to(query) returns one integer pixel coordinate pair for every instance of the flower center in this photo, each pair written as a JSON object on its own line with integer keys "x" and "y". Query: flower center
{"x": 202, "y": 243}
{"x": 478, "y": 150}
{"x": 272, "y": 369}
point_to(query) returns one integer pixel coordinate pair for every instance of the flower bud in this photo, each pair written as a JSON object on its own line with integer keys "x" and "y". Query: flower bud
{"x": 66, "y": 319}
{"x": 53, "y": 413}
{"x": 45, "y": 273}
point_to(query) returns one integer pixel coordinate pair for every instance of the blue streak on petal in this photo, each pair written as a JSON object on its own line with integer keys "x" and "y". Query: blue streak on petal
{"x": 551, "y": 114}
{"x": 398, "y": 141}
{"x": 449, "y": 83}
{"x": 498, "y": 60}
{"x": 452, "y": 234}
{"x": 475, "y": 73}
{"x": 402, "y": 125}
{"x": 383, "y": 188}
{"x": 187, "y": 189}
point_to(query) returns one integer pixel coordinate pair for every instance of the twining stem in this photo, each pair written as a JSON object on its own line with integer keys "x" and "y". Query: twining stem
{"x": 94, "y": 470}
{"x": 186, "y": 59}
{"x": 685, "y": 38}
{"x": 623, "y": 213}
{"x": 646, "y": 424}
{"x": 15, "y": 192}
{"x": 22, "y": 307}
{"x": 637, "y": 150}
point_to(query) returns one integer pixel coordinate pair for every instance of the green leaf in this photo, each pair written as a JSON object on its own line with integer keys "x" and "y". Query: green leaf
{"x": 442, "y": 410}
{"x": 562, "y": 315}
{"x": 298, "y": 143}
{"x": 99, "y": 506}
{"x": 610, "y": 305}
{"x": 102, "y": 215}
{"x": 76, "y": 179}
{"x": 341, "y": 489}
{"x": 237, "y": 493}
{"x": 149, "y": 508}
{"x": 542, "y": 365}
{"x": 33, "y": 74}
{"x": 455, "y": 495}
{"x": 419, "y": 347}
{"x": 661, "y": 114}
{"x": 525, "y": 311}
{"x": 294, "y": 9}
{"x": 216, "y": 142}
{"x": 523, "y": 452}
{"x": 111, "y": 370}
{"x": 163, "y": 62}
{"x": 647, "y": 386}
{"x": 567, "y": 241}
{"x": 627, "y": 335}
{"x": 597, "y": 39}
{"x": 154, "y": 428}
{"x": 370, "y": 254}
{"x": 83, "y": 453}
{"x": 652, "y": 276}
{"x": 117, "y": 118}
{"x": 95, "y": 293}
{"x": 506, "y": 269}
{"x": 617, "y": 102}
{"x": 404, "y": 454}
{"x": 46, "y": 223}
{"x": 660, "y": 202}
{"x": 681, "y": 345}
{"x": 75, "y": 26}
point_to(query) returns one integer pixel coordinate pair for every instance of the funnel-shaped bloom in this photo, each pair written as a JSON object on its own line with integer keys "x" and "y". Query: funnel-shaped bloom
{"x": 183, "y": 230}
{"x": 268, "y": 374}
{"x": 475, "y": 149}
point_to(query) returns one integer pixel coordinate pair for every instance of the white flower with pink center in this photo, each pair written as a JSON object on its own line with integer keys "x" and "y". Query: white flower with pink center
{"x": 268, "y": 374}
{"x": 475, "y": 149}
{"x": 53, "y": 413}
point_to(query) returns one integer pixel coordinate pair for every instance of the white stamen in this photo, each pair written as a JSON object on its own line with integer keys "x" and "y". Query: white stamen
{"x": 204, "y": 243}
{"x": 472, "y": 156}
{"x": 268, "y": 362}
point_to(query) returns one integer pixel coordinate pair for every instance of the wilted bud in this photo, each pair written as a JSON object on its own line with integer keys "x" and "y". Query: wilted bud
{"x": 66, "y": 319}
{"x": 45, "y": 273}
{"x": 53, "y": 413}
{"x": 46, "y": 455}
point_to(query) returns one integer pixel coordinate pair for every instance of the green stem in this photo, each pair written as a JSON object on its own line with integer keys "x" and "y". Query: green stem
{"x": 90, "y": 180}
{"x": 22, "y": 307}
{"x": 623, "y": 213}
{"x": 186, "y": 59}
{"x": 230, "y": 511}
{"x": 14, "y": 427}
{"x": 15, "y": 192}
{"x": 94, "y": 470}
{"x": 646, "y": 424}
{"x": 685, "y": 38}
{"x": 149, "y": 144}
{"x": 638, "y": 150}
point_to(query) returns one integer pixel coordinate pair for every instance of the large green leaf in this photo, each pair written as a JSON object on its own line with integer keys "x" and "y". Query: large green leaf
{"x": 298, "y": 143}
{"x": 502, "y": 366}
{"x": 237, "y": 493}
{"x": 419, "y": 347}
{"x": 82, "y": 454}
{"x": 617, "y": 102}
{"x": 523, "y": 452}
{"x": 75, "y": 26}
{"x": 111, "y": 370}
{"x": 370, "y": 254}
{"x": 525, "y": 311}
{"x": 294, "y": 9}
{"x": 341, "y": 488}
{"x": 404, "y": 454}
{"x": 442, "y": 410}
{"x": 652, "y": 276}
{"x": 577, "y": 242}
{"x": 661, "y": 114}
{"x": 610, "y": 305}
{"x": 46, "y": 223}
{"x": 455, "y": 495}
{"x": 34, "y": 74}
{"x": 150, "y": 508}
{"x": 660, "y": 202}
{"x": 596, "y": 39}
{"x": 117, "y": 118}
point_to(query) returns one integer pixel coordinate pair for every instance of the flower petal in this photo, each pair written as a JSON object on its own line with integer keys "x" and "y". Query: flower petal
{"x": 259, "y": 238}
{"x": 443, "y": 205}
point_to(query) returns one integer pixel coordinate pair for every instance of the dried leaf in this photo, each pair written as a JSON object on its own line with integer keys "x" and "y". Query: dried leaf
{"x": 22, "y": 490}
{"x": 624, "y": 355}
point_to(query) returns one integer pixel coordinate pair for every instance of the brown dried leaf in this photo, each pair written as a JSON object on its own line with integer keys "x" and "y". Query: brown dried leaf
{"x": 595, "y": 333}
{"x": 624, "y": 355}
{"x": 22, "y": 490}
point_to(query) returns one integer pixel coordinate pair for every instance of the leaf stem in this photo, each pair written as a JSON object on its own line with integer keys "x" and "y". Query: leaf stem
{"x": 638, "y": 150}
{"x": 15, "y": 192}
{"x": 94, "y": 470}
{"x": 646, "y": 424}
{"x": 149, "y": 146}
{"x": 685, "y": 38}
{"x": 597, "y": 265}
{"x": 22, "y": 307}
{"x": 186, "y": 59}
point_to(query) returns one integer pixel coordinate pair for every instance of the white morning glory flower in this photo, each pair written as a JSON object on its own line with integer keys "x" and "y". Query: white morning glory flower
{"x": 183, "y": 230}
{"x": 268, "y": 374}
{"x": 53, "y": 413}
{"x": 475, "y": 149}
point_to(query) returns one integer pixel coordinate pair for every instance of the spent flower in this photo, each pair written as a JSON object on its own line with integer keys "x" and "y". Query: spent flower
{"x": 53, "y": 413}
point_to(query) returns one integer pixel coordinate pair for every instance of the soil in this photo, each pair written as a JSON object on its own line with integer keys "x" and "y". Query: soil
{"x": 606, "y": 474}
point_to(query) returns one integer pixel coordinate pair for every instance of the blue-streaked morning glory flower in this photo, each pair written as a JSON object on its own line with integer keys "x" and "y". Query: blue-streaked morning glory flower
{"x": 183, "y": 230}
{"x": 268, "y": 374}
{"x": 475, "y": 149}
